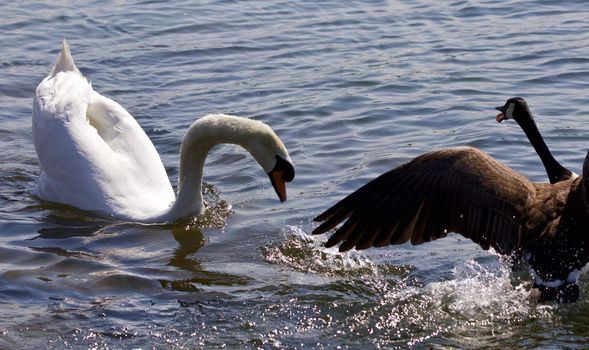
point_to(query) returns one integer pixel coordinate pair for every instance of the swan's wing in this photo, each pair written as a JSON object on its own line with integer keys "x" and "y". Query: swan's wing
{"x": 121, "y": 132}
{"x": 144, "y": 171}
{"x": 459, "y": 190}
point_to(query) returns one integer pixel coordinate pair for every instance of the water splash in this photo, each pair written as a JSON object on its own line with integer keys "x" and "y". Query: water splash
{"x": 305, "y": 253}
{"x": 476, "y": 288}
{"x": 485, "y": 302}
{"x": 216, "y": 212}
{"x": 390, "y": 305}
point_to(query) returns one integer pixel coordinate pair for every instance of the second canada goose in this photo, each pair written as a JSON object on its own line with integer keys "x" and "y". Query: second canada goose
{"x": 517, "y": 109}
{"x": 466, "y": 191}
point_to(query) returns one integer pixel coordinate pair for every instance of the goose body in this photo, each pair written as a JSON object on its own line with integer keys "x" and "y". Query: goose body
{"x": 466, "y": 191}
{"x": 94, "y": 155}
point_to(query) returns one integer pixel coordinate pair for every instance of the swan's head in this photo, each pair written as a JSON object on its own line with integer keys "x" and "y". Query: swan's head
{"x": 256, "y": 137}
{"x": 269, "y": 151}
{"x": 515, "y": 108}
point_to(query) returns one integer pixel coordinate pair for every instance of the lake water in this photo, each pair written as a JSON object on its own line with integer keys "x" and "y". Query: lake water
{"x": 353, "y": 88}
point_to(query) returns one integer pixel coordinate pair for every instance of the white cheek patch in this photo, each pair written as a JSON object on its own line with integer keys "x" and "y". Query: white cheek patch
{"x": 509, "y": 112}
{"x": 573, "y": 277}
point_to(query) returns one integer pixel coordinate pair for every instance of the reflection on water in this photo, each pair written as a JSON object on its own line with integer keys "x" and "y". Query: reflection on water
{"x": 190, "y": 240}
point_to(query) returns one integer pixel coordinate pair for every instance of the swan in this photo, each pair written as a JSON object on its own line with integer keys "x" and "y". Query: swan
{"x": 464, "y": 190}
{"x": 516, "y": 108}
{"x": 94, "y": 155}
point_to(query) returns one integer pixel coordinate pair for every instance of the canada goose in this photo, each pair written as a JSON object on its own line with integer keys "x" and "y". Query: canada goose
{"x": 466, "y": 191}
{"x": 93, "y": 154}
{"x": 517, "y": 109}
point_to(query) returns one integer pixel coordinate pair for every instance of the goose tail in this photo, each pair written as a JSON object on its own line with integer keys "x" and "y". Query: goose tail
{"x": 65, "y": 61}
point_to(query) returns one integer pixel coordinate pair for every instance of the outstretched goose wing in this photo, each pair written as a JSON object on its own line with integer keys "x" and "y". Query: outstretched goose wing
{"x": 460, "y": 190}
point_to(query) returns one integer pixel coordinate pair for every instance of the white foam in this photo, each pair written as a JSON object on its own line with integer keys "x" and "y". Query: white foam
{"x": 481, "y": 292}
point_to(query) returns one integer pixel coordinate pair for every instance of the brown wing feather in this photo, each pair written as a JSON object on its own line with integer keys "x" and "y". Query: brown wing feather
{"x": 460, "y": 190}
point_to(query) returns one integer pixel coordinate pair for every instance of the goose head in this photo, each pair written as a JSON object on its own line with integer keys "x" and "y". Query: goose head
{"x": 515, "y": 108}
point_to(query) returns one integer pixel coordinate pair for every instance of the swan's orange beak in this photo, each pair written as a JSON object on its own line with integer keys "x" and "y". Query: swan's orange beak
{"x": 278, "y": 183}
{"x": 282, "y": 173}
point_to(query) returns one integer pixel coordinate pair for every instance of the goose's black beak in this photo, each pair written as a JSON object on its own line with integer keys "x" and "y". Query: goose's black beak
{"x": 501, "y": 116}
{"x": 282, "y": 173}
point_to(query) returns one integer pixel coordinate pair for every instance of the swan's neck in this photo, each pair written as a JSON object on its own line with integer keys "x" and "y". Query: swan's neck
{"x": 203, "y": 135}
{"x": 189, "y": 199}
{"x": 556, "y": 172}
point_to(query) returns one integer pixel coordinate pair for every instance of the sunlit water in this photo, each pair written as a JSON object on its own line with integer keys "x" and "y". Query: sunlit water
{"x": 353, "y": 88}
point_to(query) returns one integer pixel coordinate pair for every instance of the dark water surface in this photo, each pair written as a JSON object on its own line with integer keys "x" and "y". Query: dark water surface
{"x": 353, "y": 88}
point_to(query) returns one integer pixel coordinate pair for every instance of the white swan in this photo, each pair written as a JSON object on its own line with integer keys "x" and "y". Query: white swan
{"x": 93, "y": 155}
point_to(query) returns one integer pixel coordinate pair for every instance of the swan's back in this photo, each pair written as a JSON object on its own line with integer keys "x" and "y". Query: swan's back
{"x": 92, "y": 153}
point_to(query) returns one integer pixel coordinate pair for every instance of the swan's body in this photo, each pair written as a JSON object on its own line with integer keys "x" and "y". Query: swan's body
{"x": 464, "y": 190}
{"x": 93, "y": 154}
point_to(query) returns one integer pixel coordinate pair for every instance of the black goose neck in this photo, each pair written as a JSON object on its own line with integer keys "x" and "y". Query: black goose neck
{"x": 556, "y": 172}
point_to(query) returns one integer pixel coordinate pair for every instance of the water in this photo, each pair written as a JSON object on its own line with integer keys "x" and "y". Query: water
{"x": 353, "y": 88}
